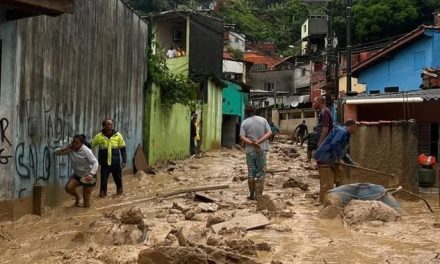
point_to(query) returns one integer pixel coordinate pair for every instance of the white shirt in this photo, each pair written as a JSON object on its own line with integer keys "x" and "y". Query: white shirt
{"x": 171, "y": 53}
{"x": 83, "y": 160}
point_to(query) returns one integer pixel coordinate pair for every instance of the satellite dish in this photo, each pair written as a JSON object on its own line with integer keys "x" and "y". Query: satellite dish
{"x": 294, "y": 104}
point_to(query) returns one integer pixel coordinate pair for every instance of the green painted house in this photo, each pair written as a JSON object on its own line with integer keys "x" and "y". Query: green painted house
{"x": 198, "y": 41}
{"x": 235, "y": 98}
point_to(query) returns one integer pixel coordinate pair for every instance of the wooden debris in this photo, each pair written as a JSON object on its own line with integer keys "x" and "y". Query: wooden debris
{"x": 195, "y": 189}
{"x": 204, "y": 198}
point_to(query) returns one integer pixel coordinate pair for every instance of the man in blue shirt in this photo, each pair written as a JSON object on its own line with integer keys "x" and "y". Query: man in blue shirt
{"x": 330, "y": 154}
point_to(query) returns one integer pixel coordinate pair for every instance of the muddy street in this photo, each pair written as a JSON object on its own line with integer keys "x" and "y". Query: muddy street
{"x": 117, "y": 228}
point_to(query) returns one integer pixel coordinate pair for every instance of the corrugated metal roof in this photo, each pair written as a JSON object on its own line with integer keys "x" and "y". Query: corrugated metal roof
{"x": 426, "y": 95}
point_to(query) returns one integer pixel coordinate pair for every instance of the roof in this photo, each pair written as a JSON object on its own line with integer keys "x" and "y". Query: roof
{"x": 426, "y": 95}
{"x": 393, "y": 47}
{"x": 255, "y": 58}
{"x": 245, "y": 87}
{"x": 32, "y": 7}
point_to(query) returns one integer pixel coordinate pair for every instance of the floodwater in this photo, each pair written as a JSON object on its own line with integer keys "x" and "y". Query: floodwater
{"x": 77, "y": 235}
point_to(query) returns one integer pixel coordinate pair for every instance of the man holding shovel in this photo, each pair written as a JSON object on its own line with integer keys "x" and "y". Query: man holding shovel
{"x": 331, "y": 154}
{"x": 255, "y": 132}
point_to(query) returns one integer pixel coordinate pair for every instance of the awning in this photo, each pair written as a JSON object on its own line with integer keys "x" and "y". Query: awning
{"x": 417, "y": 96}
{"x": 384, "y": 100}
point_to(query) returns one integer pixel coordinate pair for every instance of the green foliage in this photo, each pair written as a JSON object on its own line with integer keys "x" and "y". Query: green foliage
{"x": 280, "y": 21}
{"x": 236, "y": 53}
{"x": 174, "y": 88}
{"x": 377, "y": 18}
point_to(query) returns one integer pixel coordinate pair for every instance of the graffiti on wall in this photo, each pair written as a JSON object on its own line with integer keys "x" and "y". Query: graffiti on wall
{"x": 41, "y": 127}
{"x": 4, "y": 142}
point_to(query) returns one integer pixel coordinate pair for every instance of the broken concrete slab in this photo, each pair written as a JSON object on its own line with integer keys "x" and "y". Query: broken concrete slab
{"x": 208, "y": 207}
{"x": 249, "y": 222}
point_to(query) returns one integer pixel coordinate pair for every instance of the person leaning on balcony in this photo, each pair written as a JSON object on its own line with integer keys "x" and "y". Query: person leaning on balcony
{"x": 111, "y": 150}
{"x": 322, "y": 128}
{"x": 255, "y": 132}
{"x": 84, "y": 165}
{"x": 171, "y": 53}
{"x": 332, "y": 154}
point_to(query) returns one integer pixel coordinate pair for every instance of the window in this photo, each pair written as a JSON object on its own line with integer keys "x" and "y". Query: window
{"x": 309, "y": 114}
{"x": 177, "y": 35}
{"x": 294, "y": 115}
{"x": 269, "y": 86}
{"x": 305, "y": 28}
{"x": 303, "y": 72}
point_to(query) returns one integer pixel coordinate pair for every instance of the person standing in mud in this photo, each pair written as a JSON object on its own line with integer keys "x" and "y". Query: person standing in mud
{"x": 322, "y": 128}
{"x": 112, "y": 156}
{"x": 193, "y": 134}
{"x": 84, "y": 165}
{"x": 332, "y": 154}
{"x": 255, "y": 132}
{"x": 301, "y": 131}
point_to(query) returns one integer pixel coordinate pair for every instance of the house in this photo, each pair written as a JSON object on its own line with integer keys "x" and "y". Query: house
{"x": 401, "y": 90}
{"x": 398, "y": 67}
{"x": 313, "y": 33}
{"x": 58, "y": 80}
{"x": 235, "y": 98}
{"x": 200, "y": 38}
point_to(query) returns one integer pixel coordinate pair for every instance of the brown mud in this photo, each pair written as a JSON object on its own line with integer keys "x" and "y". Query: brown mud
{"x": 116, "y": 229}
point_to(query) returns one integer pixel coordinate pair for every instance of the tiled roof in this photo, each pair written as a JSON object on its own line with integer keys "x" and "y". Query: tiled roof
{"x": 255, "y": 58}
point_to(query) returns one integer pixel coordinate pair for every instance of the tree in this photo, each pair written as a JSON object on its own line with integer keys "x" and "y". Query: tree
{"x": 375, "y": 19}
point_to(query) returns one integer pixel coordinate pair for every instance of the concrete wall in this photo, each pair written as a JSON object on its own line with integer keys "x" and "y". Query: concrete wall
{"x": 288, "y": 120}
{"x": 403, "y": 69}
{"x": 355, "y": 86}
{"x": 62, "y": 76}
{"x": 387, "y": 147}
{"x": 282, "y": 80}
{"x": 212, "y": 117}
{"x": 167, "y": 129}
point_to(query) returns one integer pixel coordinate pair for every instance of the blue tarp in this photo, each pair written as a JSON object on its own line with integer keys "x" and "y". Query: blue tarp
{"x": 363, "y": 191}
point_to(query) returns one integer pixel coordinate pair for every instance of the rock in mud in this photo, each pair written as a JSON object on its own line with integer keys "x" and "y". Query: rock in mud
{"x": 208, "y": 207}
{"x": 292, "y": 183}
{"x": 172, "y": 255}
{"x": 263, "y": 246}
{"x": 180, "y": 207}
{"x": 189, "y": 215}
{"x": 172, "y": 219}
{"x": 270, "y": 203}
{"x": 133, "y": 216}
{"x": 357, "y": 212}
{"x": 241, "y": 246}
{"x": 214, "y": 219}
{"x": 213, "y": 240}
{"x": 174, "y": 211}
{"x": 330, "y": 212}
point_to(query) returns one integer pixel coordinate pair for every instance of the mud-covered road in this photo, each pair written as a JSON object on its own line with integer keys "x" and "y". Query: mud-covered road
{"x": 117, "y": 228}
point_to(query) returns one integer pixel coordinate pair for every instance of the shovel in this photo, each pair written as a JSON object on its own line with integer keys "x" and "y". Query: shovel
{"x": 394, "y": 180}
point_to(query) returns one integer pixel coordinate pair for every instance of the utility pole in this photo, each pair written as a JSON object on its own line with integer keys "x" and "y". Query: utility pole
{"x": 348, "y": 46}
